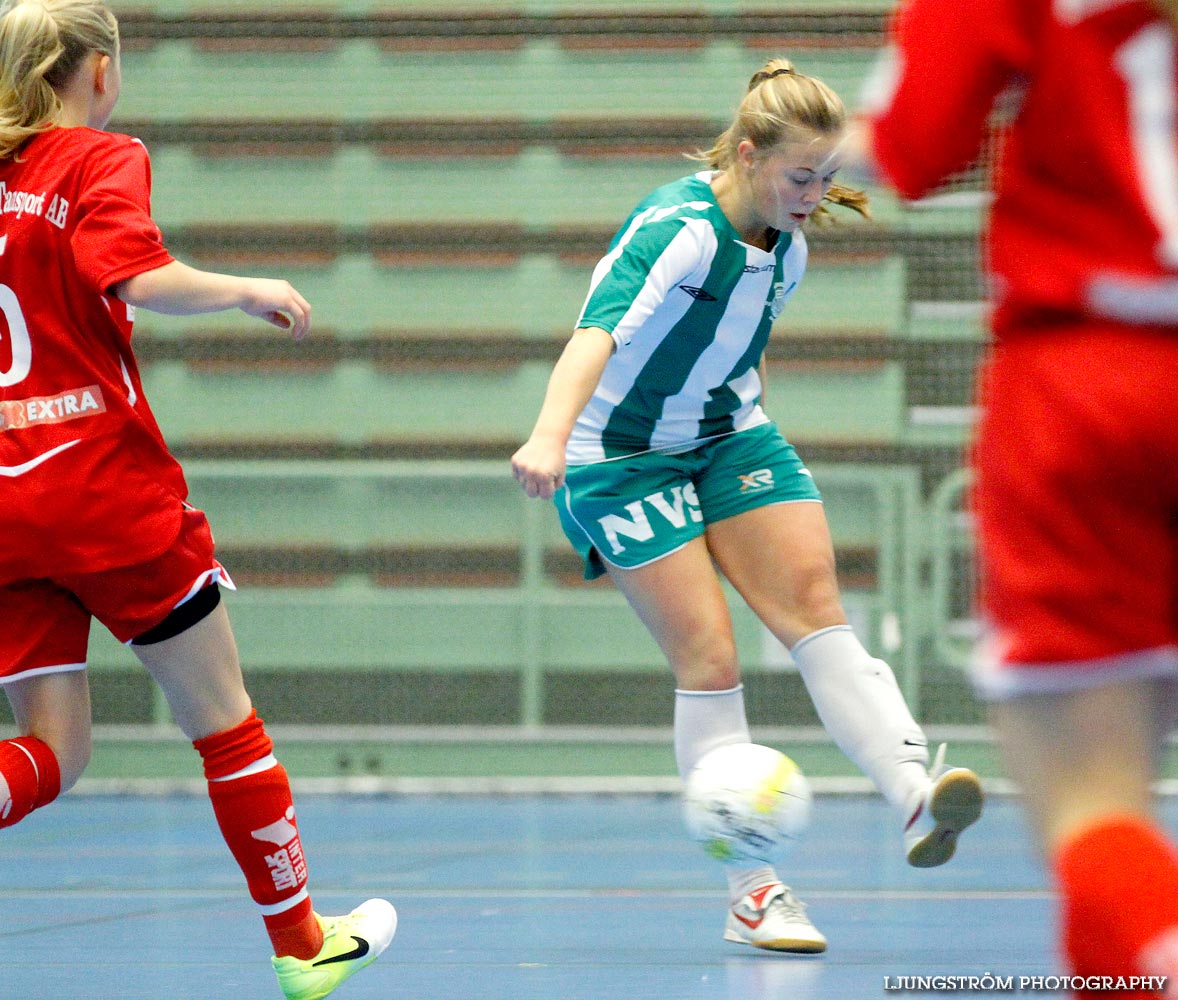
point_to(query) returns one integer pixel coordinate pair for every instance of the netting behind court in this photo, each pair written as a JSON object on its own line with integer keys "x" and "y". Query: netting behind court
{"x": 438, "y": 182}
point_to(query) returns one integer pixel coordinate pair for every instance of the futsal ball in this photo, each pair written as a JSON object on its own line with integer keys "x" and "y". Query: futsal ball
{"x": 746, "y": 803}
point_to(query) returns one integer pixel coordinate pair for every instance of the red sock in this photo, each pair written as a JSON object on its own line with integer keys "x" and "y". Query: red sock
{"x": 253, "y": 805}
{"x": 1119, "y": 889}
{"x": 30, "y": 769}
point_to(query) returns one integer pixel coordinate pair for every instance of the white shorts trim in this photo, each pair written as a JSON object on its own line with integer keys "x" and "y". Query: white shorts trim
{"x": 649, "y": 562}
{"x": 995, "y": 680}
{"x": 60, "y": 668}
{"x": 218, "y": 575}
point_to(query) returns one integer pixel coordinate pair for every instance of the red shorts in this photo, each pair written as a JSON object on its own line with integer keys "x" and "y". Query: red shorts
{"x": 45, "y": 624}
{"x": 1076, "y": 499}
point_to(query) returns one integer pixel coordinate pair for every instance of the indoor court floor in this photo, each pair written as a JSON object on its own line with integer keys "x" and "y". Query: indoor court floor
{"x": 545, "y": 897}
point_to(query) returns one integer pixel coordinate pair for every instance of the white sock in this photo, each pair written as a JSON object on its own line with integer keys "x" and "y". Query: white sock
{"x": 742, "y": 881}
{"x": 705, "y": 720}
{"x": 860, "y": 704}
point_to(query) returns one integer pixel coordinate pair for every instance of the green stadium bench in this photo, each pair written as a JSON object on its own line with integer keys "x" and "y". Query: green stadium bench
{"x": 580, "y": 170}
{"x": 372, "y": 77}
{"x": 357, "y": 402}
{"x": 301, "y": 27}
{"x": 348, "y": 402}
{"x": 419, "y": 524}
{"x": 584, "y": 136}
{"x": 148, "y": 9}
{"x": 440, "y": 277}
{"x": 528, "y": 637}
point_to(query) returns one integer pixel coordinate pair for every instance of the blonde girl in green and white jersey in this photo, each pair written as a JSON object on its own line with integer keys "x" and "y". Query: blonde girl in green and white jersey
{"x": 664, "y": 468}
{"x": 688, "y": 305}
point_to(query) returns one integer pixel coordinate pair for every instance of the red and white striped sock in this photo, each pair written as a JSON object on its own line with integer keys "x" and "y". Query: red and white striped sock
{"x": 29, "y": 778}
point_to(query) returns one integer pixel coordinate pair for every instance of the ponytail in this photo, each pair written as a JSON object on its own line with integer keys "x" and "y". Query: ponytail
{"x": 42, "y": 44}
{"x": 781, "y": 104}
{"x": 840, "y": 194}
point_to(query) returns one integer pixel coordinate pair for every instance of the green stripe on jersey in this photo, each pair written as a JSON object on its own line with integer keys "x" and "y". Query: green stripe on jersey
{"x": 665, "y": 373}
{"x": 690, "y": 307}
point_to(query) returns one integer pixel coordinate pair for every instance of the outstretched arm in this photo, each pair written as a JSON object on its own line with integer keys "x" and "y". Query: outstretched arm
{"x": 180, "y": 290}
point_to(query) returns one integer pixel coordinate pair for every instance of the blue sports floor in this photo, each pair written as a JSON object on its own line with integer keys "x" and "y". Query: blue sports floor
{"x": 503, "y": 898}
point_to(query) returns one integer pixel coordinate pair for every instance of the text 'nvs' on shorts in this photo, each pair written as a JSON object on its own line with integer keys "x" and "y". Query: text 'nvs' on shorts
{"x": 631, "y": 511}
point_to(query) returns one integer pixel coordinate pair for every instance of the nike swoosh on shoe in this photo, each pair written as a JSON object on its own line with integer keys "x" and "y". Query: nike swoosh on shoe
{"x": 362, "y": 948}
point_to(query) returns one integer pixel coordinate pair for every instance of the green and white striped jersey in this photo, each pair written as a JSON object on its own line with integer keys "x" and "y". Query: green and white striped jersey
{"x": 689, "y": 306}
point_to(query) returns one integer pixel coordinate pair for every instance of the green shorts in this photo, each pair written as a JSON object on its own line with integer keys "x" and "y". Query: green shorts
{"x": 631, "y": 511}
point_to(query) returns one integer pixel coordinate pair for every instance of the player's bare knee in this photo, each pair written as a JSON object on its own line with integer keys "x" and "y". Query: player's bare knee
{"x": 812, "y": 604}
{"x": 709, "y": 664}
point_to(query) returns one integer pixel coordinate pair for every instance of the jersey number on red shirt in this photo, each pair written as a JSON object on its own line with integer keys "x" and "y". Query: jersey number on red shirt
{"x": 18, "y": 335}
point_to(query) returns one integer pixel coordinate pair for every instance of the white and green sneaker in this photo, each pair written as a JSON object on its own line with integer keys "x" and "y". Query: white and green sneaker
{"x": 349, "y": 944}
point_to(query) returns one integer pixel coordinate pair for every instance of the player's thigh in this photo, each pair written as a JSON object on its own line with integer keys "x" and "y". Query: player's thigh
{"x": 679, "y": 599}
{"x": 1080, "y": 755}
{"x": 55, "y": 708}
{"x": 200, "y": 674}
{"x": 198, "y": 668}
{"x": 44, "y": 632}
{"x": 766, "y": 528}
{"x": 781, "y": 561}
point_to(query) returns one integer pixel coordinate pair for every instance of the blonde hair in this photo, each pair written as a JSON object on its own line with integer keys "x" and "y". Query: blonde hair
{"x": 42, "y": 44}
{"x": 782, "y": 104}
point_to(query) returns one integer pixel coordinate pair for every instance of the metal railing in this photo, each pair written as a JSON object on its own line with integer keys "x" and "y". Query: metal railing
{"x": 892, "y": 610}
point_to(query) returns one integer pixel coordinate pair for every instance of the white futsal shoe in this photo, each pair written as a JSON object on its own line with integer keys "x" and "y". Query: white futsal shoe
{"x": 773, "y": 918}
{"x": 936, "y": 816}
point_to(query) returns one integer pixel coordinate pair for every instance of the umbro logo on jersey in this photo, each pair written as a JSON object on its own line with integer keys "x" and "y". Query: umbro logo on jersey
{"x": 698, "y": 293}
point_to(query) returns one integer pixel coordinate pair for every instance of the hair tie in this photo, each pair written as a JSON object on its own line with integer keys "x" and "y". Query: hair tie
{"x": 763, "y": 77}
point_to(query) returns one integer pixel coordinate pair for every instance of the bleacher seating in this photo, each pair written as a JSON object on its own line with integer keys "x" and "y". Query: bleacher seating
{"x": 438, "y": 181}
{"x": 339, "y": 563}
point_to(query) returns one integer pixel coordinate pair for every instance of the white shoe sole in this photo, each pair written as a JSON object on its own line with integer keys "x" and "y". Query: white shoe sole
{"x": 796, "y": 946}
{"x": 954, "y": 805}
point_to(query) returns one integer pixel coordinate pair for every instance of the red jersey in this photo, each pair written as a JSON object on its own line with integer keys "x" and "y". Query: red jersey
{"x": 86, "y": 482}
{"x": 1085, "y": 216}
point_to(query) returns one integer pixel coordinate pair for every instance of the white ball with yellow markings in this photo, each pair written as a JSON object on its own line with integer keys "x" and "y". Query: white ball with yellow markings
{"x": 746, "y": 803}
